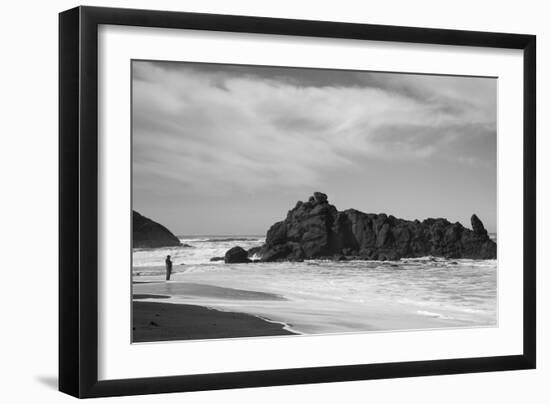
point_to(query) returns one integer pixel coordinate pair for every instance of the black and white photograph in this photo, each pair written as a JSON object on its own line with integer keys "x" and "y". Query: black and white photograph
{"x": 277, "y": 202}
{"x": 285, "y": 201}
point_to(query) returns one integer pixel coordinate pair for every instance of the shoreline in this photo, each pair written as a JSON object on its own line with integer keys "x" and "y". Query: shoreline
{"x": 291, "y": 302}
{"x": 161, "y": 321}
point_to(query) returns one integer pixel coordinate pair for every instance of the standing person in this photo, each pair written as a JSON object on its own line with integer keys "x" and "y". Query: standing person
{"x": 168, "y": 267}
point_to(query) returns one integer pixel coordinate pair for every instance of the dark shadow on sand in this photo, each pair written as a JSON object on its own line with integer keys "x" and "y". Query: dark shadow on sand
{"x": 154, "y": 321}
{"x": 146, "y": 296}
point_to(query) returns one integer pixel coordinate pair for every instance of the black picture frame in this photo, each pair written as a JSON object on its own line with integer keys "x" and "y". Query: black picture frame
{"x": 78, "y": 200}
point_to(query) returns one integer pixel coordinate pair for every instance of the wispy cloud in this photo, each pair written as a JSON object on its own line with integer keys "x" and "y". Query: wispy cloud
{"x": 211, "y": 128}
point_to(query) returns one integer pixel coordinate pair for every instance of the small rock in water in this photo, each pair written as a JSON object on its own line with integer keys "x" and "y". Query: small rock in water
{"x": 236, "y": 255}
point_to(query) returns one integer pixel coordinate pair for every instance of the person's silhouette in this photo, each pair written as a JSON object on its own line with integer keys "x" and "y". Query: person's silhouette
{"x": 168, "y": 267}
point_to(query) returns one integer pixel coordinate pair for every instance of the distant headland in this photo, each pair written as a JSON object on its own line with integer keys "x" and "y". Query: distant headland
{"x": 147, "y": 233}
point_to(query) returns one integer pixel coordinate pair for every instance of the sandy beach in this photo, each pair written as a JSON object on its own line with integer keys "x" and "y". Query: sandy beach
{"x": 171, "y": 322}
{"x": 155, "y": 320}
{"x": 225, "y": 301}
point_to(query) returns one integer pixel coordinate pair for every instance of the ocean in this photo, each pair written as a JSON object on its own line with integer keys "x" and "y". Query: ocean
{"x": 321, "y": 296}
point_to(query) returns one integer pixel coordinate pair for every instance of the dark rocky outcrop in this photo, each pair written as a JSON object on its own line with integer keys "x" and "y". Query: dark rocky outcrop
{"x": 236, "y": 255}
{"x": 316, "y": 229}
{"x": 253, "y": 251}
{"x": 149, "y": 234}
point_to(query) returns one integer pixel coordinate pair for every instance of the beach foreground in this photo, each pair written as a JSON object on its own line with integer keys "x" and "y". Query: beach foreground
{"x": 315, "y": 298}
{"x": 156, "y": 321}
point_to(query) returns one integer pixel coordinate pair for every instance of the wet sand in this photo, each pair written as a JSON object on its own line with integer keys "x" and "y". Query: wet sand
{"x": 155, "y": 321}
{"x": 313, "y": 315}
{"x": 198, "y": 290}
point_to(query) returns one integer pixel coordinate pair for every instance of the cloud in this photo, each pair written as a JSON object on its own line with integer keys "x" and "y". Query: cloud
{"x": 216, "y": 128}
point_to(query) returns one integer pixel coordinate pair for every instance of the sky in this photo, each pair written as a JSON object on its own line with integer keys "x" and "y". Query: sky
{"x": 229, "y": 149}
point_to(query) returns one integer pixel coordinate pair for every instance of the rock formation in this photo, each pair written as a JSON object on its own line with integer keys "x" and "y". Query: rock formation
{"x": 236, "y": 255}
{"x": 316, "y": 229}
{"x": 253, "y": 251}
{"x": 149, "y": 234}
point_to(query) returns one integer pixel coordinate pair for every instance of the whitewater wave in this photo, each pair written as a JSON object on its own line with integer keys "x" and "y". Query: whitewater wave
{"x": 222, "y": 240}
{"x": 194, "y": 250}
{"x": 432, "y": 314}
